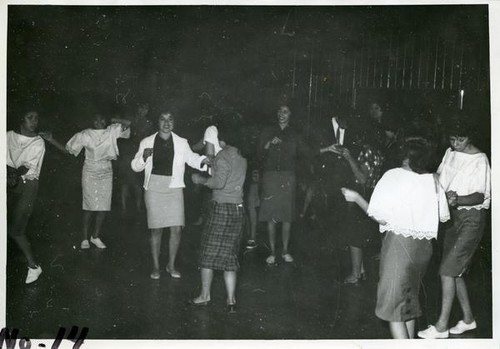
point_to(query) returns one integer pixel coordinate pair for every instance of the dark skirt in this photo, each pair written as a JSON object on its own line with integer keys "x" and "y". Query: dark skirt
{"x": 277, "y": 202}
{"x": 220, "y": 240}
{"x": 461, "y": 239}
{"x": 403, "y": 262}
{"x": 20, "y": 203}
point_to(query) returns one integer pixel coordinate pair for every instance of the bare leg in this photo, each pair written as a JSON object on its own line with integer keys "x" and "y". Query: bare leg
{"x": 173, "y": 247}
{"x": 155, "y": 242}
{"x": 124, "y": 196}
{"x": 138, "y": 197}
{"x": 99, "y": 219}
{"x": 207, "y": 276}
{"x": 87, "y": 218}
{"x": 448, "y": 287}
{"x": 356, "y": 260}
{"x": 463, "y": 299}
{"x": 252, "y": 213}
{"x": 410, "y": 327}
{"x": 285, "y": 231}
{"x": 230, "y": 278}
{"x": 25, "y": 246}
{"x": 398, "y": 330}
{"x": 271, "y": 229}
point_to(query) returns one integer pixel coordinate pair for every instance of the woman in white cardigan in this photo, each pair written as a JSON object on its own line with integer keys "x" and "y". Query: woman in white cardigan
{"x": 162, "y": 156}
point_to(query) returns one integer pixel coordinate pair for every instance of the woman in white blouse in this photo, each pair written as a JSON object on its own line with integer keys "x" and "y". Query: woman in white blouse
{"x": 465, "y": 174}
{"x": 100, "y": 143}
{"x": 25, "y": 152}
{"x": 408, "y": 204}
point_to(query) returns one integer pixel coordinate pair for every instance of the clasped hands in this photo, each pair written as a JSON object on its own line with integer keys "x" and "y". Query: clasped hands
{"x": 274, "y": 141}
{"x": 452, "y": 198}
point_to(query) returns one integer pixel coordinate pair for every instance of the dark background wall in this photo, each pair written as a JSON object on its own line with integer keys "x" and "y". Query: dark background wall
{"x": 207, "y": 60}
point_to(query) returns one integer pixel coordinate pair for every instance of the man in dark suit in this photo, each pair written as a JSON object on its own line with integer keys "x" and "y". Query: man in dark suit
{"x": 331, "y": 169}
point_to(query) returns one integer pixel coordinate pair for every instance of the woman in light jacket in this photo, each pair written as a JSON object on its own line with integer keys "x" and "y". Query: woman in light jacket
{"x": 162, "y": 156}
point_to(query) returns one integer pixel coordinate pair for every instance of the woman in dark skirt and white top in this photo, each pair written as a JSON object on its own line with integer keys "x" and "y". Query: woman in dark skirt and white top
{"x": 25, "y": 152}
{"x": 162, "y": 156}
{"x": 465, "y": 174}
{"x": 408, "y": 203}
{"x": 223, "y": 230}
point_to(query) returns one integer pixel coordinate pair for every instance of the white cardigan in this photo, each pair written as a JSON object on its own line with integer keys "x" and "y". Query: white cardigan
{"x": 182, "y": 155}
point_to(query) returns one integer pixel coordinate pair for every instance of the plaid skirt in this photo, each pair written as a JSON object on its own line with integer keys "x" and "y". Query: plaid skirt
{"x": 220, "y": 240}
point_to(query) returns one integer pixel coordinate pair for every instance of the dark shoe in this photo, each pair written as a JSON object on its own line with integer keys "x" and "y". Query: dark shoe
{"x": 199, "y": 304}
{"x": 231, "y": 308}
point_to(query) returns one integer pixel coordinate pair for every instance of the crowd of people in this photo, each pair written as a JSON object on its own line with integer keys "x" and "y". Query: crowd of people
{"x": 358, "y": 175}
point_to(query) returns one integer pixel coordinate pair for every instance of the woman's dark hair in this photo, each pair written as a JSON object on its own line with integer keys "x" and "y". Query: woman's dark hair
{"x": 462, "y": 126}
{"x": 419, "y": 155}
{"x": 229, "y": 130}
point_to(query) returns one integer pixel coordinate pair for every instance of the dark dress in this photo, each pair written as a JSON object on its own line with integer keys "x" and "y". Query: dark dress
{"x": 279, "y": 168}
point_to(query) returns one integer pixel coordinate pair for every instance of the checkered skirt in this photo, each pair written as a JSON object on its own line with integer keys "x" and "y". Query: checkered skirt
{"x": 220, "y": 240}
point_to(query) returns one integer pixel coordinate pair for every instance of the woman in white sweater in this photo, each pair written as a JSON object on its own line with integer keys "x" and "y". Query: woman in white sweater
{"x": 163, "y": 156}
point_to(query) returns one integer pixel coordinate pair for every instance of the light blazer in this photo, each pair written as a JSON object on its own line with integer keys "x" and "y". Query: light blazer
{"x": 182, "y": 155}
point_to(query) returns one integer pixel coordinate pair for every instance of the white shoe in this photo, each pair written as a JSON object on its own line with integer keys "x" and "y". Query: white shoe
{"x": 33, "y": 274}
{"x": 462, "y": 327}
{"x": 271, "y": 259}
{"x": 287, "y": 258}
{"x": 432, "y": 333}
{"x": 97, "y": 242}
{"x": 173, "y": 273}
{"x": 85, "y": 245}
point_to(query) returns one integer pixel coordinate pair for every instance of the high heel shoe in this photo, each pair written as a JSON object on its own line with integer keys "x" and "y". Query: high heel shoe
{"x": 231, "y": 308}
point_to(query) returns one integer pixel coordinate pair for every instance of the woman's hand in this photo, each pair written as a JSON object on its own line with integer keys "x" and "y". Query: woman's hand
{"x": 147, "y": 153}
{"x": 345, "y": 153}
{"x": 452, "y": 198}
{"x": 350, "y": 195}
{"x": 274, "y": 141}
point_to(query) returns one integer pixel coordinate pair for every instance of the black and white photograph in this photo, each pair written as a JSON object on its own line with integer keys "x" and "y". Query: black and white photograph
{"x": 256, "y": 173}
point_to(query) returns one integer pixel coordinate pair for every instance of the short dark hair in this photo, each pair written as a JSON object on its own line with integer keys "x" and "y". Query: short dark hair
{"x": 419, "y": 155}
{"x": 229, "y": 130}
{"x": 461, "y": 125}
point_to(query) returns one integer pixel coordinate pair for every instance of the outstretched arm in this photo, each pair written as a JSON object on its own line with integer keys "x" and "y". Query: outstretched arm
{"x": 49, "y": 138}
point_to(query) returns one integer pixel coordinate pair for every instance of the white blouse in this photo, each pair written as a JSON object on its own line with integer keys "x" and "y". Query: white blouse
{"x": 25, "y": 151}
{"x": 100, "y": 145}
{"x": 409, "y": 204}
{"x": 466, "y": 174}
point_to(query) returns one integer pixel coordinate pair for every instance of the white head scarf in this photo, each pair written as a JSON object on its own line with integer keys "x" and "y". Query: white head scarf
{"x": 211, "y": 136}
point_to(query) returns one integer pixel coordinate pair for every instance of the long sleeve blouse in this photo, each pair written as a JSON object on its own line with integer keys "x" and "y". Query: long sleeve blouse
{"x": 228, "y": 176}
